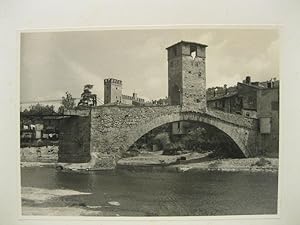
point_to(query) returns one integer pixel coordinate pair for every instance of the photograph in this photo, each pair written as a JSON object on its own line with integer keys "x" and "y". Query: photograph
{"x": 149, "y": 122}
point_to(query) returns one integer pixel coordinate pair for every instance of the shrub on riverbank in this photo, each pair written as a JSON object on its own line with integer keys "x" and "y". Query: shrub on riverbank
{"x": 261, "y": 162}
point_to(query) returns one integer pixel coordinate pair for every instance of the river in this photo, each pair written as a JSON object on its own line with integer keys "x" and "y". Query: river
{"x": 159, "y": 193}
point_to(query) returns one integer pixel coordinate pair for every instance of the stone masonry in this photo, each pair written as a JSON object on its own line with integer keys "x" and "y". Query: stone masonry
{"x": 113, "y": 129}
{"x": 187, "y": 75}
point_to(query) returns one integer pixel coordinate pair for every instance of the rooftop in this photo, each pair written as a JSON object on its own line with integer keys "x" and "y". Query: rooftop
{"x": 187, "y": 42}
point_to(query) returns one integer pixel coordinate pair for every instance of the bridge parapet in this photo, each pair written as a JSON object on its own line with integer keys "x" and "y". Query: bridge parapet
{"x": 118, "y": 116}
{"x": 235, "y": 119}
{"x": 77, "y": 112}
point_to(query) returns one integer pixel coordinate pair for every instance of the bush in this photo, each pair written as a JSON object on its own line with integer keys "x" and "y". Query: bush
{"x": 170, "y": 152}
{"x": 171, "y": 149}
{"x": 162, "y": 139}
{"x": 131, "y": 153}
{"x": 262, "y": 162}
{"x": 214, "y": 165}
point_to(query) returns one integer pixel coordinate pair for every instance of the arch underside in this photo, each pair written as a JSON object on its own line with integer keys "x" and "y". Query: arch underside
{"x": 238, "y": 135}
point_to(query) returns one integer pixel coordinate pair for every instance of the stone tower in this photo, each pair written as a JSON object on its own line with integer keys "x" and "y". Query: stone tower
{"x": 187, "y": 76}
{"x": 112, "y": 91}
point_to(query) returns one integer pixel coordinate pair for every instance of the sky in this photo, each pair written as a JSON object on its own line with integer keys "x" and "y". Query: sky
{"x": 55, "y": 62}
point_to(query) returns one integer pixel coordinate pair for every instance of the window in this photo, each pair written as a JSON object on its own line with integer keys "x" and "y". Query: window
{"x": 193, "y": 51}
{"x": 265, "y": 125}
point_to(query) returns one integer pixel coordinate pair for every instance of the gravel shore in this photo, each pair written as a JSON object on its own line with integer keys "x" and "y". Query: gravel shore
{"x": 193, "y": 161}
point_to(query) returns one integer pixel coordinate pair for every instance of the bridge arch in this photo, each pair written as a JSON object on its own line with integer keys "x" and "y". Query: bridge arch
{"x": 239, "y": 135}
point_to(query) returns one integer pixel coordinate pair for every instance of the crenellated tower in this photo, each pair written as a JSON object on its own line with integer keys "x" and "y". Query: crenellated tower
{"x": 112, "y": 91}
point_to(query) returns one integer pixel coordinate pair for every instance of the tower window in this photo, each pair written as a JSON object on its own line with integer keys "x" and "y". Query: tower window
{"x": 193, "y": 51}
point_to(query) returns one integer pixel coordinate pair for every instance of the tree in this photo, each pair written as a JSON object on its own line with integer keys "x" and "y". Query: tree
{"x": 35, "y": 112}
{"x": 67, "y": 102}
{"x": 87, "y": 98}
{"x": 39, "y": 110}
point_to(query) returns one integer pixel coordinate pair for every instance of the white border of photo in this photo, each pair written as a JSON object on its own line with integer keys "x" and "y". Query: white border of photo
{"x": 32, "y": 16}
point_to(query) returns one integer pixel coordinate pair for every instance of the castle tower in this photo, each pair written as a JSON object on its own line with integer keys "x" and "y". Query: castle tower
{"x": 112, "y": 91}
{"x": 187, "y": 76}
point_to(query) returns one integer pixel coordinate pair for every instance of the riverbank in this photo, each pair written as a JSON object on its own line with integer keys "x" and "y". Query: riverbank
{"x": 190, "y": 161}
{"x": 158, "y": 159}
{"x": 43, "y": 154}
{"x": 39, "y": 201}
{"x": 198, "y": 162}
{"x": 230, "y": 165}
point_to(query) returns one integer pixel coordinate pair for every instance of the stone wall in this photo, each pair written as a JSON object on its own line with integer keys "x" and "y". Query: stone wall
{"x": 194, "y": 83}
{"x": 115, "y": 128}
{"x": 74, "y": 143}
{"x": 175, "y": 80}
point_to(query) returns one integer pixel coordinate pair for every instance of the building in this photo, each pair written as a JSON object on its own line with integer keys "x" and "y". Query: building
{"x": 242, "y": 98}
{"x": 268, "y": 115}
{"x": 258, "y": 100}
{"x": 225, "y": 99}
{"x": 113, "y": 94}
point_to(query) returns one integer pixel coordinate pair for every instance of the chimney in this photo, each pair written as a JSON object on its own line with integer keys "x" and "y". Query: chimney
{"x": 225, "y": 89}
{"x": 248, "y": 80}
{"x": 215, "y": 91}
{"x": 134, "y": 95}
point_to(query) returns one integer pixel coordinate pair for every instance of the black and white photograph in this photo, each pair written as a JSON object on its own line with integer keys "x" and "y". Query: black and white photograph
{"x": 150, "y": 122}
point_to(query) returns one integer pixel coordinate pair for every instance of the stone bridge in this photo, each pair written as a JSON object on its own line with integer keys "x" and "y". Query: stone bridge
{"x": 101, "y": 134}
